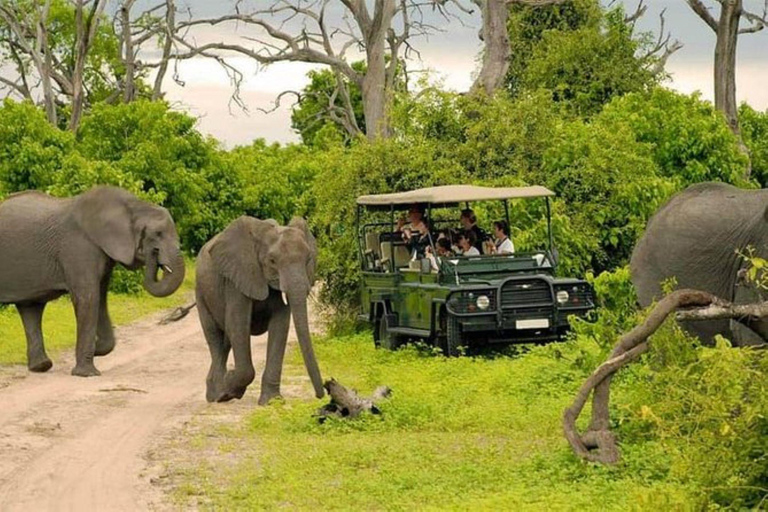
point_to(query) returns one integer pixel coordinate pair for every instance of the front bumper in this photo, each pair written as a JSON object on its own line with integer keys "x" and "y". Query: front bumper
{"x": 523, "y": 309}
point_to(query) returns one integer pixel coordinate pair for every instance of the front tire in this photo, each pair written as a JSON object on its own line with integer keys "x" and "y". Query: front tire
{"x": 453, "y": 339}
{"x": 385, "y": 338}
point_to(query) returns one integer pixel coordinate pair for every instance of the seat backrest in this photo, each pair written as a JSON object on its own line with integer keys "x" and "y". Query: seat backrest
{"x": 372, "y": 243}
{"x": 402, "y": 255}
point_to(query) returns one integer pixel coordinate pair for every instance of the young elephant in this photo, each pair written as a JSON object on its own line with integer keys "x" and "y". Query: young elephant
{"x": 242, "y": 274}
{"x": 54, "y": 246}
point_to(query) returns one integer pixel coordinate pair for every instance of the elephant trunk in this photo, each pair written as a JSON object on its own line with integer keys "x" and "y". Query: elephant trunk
{"x": 173, "y": 274}
{"x": 301, "y": 323}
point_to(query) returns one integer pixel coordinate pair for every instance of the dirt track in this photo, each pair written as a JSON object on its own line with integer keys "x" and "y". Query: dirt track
{"x": 69, "y": 443}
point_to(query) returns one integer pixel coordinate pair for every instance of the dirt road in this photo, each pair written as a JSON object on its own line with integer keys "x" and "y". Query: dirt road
{"x": 69, "y": 443}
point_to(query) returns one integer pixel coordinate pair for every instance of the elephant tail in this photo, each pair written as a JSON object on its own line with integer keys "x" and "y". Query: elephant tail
{"x": 177, "y": 314}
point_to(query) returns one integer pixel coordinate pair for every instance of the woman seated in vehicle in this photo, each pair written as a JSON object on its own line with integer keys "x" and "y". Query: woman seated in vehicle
{"x": 416, "y": 233}
{"x": 503, "y": 244}
{"x": 467, "y": 240}
{"x": 469, "y": 223}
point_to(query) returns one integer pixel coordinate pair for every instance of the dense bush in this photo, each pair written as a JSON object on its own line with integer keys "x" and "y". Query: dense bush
{"x": 754, "y": 130}
{"x": 684, "y": 413}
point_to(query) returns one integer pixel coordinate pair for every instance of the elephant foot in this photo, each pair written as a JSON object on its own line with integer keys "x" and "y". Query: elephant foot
{"x": 226, "y": 396}
{"x": 85, "y": 370}
{"x": 40, "y": 366}
{"x": 269, "y": 395}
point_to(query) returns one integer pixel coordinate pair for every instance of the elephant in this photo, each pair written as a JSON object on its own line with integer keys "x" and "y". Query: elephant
{"x": 243, "y": 273}
{"x": 53, "y": 246}
{"x": 694, "y": 238}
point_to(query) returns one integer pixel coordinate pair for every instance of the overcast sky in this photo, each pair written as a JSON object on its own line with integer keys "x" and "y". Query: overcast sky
{"x": 451, "y": 56}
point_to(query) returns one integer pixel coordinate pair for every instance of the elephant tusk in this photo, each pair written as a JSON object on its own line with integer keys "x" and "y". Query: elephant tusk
{"x": 285, "y": 299}
{"x": 166, "y": 269}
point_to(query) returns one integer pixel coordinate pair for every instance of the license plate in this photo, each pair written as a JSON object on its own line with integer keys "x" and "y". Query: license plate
{"x": 534, "y": 323}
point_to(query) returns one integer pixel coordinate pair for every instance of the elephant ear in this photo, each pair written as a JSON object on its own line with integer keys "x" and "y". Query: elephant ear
{"x": 237, "y": 253}
{"x": 301, "y": 224}
{"x": 103, "y": 215}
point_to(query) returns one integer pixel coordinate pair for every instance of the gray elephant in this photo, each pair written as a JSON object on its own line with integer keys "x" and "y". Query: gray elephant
{"x": 53, "y": 246}
{"x": 242, "y": 274}
{"x": 694, "y": 238}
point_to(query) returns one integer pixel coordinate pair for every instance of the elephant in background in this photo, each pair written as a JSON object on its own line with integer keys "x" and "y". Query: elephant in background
{"x": 242, "y": 275}
{"x": 51, "y": 246}
{"x": 694, "y": 238}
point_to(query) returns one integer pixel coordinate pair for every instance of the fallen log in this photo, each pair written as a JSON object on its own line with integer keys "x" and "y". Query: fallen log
{"x": 346, "y": 403}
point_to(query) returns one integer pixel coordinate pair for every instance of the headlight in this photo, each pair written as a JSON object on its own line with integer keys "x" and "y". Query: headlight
{"x": 464, "y": 302}
{"x": 562, "y": 297}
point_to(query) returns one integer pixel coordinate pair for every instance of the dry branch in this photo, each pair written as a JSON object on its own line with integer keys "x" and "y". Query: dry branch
{"x": 346, "y": 403}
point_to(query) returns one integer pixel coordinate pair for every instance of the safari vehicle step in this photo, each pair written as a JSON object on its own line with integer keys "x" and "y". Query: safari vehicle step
{"x": 466, "y": 300}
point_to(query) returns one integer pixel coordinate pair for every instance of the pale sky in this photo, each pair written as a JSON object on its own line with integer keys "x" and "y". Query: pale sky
{"x": 452, "y": 58}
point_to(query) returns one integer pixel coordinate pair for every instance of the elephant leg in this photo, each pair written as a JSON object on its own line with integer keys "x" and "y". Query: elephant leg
{"x": 277, "y": 339}
{"x": 105, "y": 334}
{"x": 86, "y": 301}
{"x": 32, "y": 318}
{"x": 706, "y": 330}
{"x": 748, "y": 332}
{"x": 219, "y": 348}
{"x": 238, "y": 332}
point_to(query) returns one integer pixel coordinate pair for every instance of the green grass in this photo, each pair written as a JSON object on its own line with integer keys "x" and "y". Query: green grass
{"x": 456, "y": 434}
{"x": 59, "y": 327}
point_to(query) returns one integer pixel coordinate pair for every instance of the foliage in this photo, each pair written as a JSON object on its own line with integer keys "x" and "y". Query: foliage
{"x": 689, "y": 140}
{"x": 589, "y": 62}
{"x": 310, "y": 116}
{"x": 708, "y": 407}
{"x": 103, "y": 66}
{"x": 527, "y": 26}
{"x": 475, "y": 433}
{"x": 31, "y": 150}
{"x": 754, "y": 131}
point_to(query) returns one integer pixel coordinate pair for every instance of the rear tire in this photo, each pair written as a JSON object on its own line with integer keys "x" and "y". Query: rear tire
{"x": 384, "y": 337}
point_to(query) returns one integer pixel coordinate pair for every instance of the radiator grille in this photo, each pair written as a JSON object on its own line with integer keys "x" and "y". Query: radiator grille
{"x": 525, "y": 293}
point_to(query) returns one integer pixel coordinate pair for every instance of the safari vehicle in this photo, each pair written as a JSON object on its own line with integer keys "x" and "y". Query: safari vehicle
{"x": 468, "y": 300}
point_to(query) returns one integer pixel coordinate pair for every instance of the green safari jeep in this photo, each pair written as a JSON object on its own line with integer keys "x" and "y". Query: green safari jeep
{"x": 467, "y": 300}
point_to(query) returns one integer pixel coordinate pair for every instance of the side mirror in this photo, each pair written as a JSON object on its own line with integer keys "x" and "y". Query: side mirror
{"x": 555, "y": 256}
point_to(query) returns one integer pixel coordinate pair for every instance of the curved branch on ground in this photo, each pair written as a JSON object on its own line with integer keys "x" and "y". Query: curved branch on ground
{"x": 598, "y": 443}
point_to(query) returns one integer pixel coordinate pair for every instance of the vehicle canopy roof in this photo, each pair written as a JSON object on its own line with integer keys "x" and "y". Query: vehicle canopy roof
{"x": 451, "y": 195}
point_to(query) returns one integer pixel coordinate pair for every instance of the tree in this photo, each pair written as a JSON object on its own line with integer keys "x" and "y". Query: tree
{"x": 496, "y": 49}
{"x": 726, "y": 28}
{"x": 320, "y": 109}
{"x": 526, "y": 27}
{"x": 586, "y": 67}
{"x": 67, "y": 53}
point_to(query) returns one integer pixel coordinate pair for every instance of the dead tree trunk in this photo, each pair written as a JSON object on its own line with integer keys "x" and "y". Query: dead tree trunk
{"x": 170, "y": 27}
{"x": 726, "y": 28}
{"x": 496, "y": 46}
{"x": 129, "y": 54}
{"x": 496, "y": 51}
{"x": 86, "y": 27}
{"x": 725, "y": 61}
